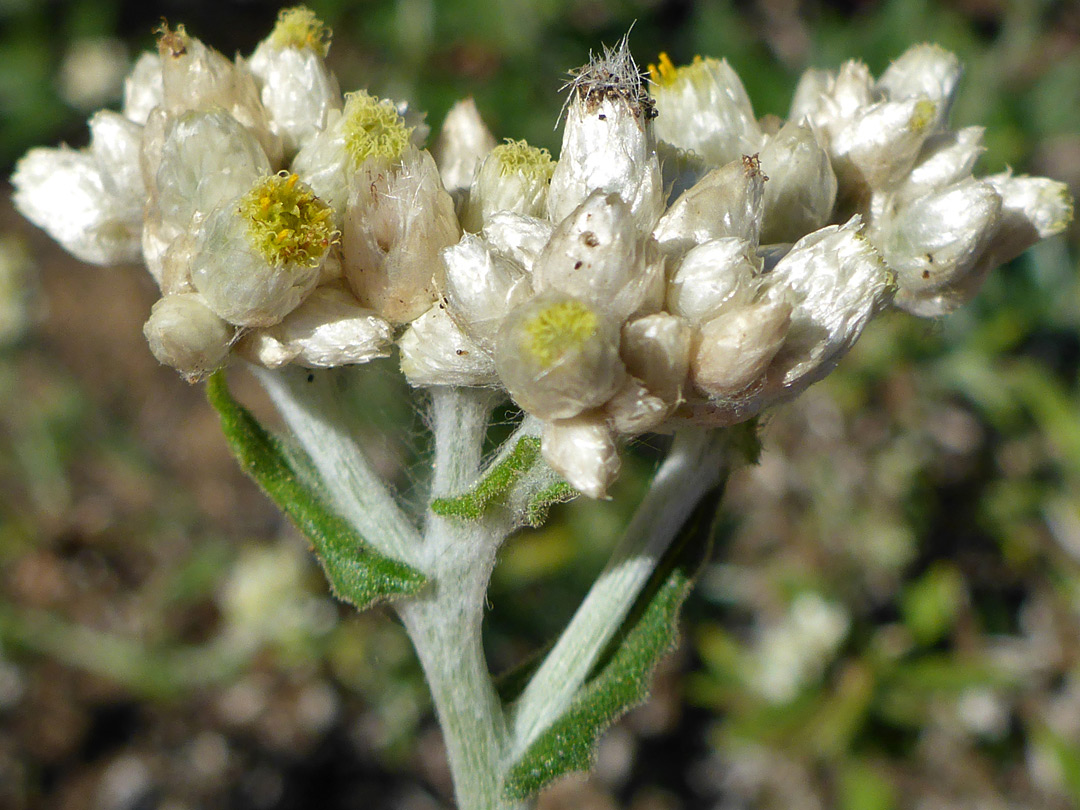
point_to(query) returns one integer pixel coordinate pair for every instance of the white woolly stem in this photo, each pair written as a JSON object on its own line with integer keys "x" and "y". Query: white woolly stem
{"x": 312, "y": 410}
{"x": 445, "y": 621}
{"x": 694, "y": 466}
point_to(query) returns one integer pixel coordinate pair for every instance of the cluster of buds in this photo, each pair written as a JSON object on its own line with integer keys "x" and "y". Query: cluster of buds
{"x": 682, "y": 261}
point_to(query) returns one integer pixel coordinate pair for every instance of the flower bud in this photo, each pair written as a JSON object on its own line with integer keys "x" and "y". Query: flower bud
{"x": 879, "y": 146}
{"x": 946, "y": 158}
{"x": 828, "y": 100}
{"x": 143, "y": 88}
{"x": 90, "y": 200}
{"x": 835, "y": 281}
{"x": 703, "y": 107}
{"x": 183, "y": 333}
{"x": 298, "y": 90}
{"x": 558, "y": 356}
{"x": 464, "y": 142}
{"x": 397, "y": 221}
{"x": 513, "y": 177}
{"x": 207, "y": 160}
{"x": 258, "y": 258}
{"x": 607, "y": 143}
{"x": 634, "y": 409}
{"x": 583, "y": 451}
{"x": 1032, "y": 208}
{"x": 733, "y": 350}
{"x": 714, "y": 276}
{"x": 481, "y": 288}
{"x": 595, "y": 254}
{"x": 328, "y": 329}
{"x": 725, "y": 202}
{"x": 195, "y": 77}
{"x": 517, "y": 237}
{"x": 923, "y": 71}
{"x": 933, "y": 242}
{"x": 801, "y": 190}
{"x": 656, "y": 351}
{"x": 434, "y": 351}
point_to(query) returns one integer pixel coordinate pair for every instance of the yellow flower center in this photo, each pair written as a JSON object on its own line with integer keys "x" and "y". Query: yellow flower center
{"x": 558, "y": 330}
{"x": 517, "y": 157}
{"x": 286, "y": 222}
{"x": 298, "y": 27}
{"x": 373, "y": 128}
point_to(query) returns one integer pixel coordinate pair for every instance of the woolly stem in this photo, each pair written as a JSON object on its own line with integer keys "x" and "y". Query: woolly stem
{"x": 692, "y": 468}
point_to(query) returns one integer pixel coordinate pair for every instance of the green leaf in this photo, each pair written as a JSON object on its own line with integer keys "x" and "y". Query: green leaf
{"x": 536, "y": 514}
{"x": 621, "y": 679}
{"x": 357, "y": 574}
{"x": 472, "y": 504}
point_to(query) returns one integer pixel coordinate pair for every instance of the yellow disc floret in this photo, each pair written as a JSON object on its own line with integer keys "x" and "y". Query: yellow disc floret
{"x": 517, "y": 157}
{"x": 925, "y": 111}
{"x": 664, "y": 71}
{"x": 558, "y": 330}
{"x": 298, "y": 27}
{"x": 373, "y": 128}
{"x": 286, "y": 222}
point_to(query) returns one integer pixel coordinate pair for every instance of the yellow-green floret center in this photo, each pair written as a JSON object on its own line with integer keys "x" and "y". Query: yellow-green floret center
{"x": 373, "y": 128}
{"x": 518, "y": 158}
{"x": 298, "y": 27}
{"x": 925, "y": 110}
{"x": 286, "y": 222}
{"x": 558, "y": 330}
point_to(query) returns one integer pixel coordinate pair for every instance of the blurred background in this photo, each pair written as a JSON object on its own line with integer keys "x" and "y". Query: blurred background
{"x": 891, "y": 618}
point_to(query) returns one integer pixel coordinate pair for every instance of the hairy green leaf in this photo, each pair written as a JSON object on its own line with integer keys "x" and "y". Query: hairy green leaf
{"x": 621, "y": 679}
{"x": 472, "y": 504}
{"x": 357, "y": 574}
{"x": 536, "y": 514}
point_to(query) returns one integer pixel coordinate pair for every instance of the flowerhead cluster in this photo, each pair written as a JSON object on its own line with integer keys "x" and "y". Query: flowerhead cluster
{"x": 681, "y": 262}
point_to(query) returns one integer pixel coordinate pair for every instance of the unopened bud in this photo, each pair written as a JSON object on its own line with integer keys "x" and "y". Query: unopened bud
{"x": 733, "y": 351}
{"x": 513, "y": 177}
{"x": 183, "y": 333}
{"x": 801, "y": 188}
{"x": 584, "y": 452}
{"x": 703, "y": 108}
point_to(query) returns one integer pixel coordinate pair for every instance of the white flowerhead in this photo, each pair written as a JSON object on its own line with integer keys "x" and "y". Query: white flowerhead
{"x": 463, "y": 143}
{"x": 703, "y": 108}
{"x": 89, "y": 200}
{"x": 328, "y": 329}
{"x": 559, "y": 356}
{"x": 513, "y": 177}
{"x": 482, "y": 287}
{"x": 583, "y": 451}
{"x": 398, "y": 216}
{"x": 597, "y": 254}
{"x": 434, "y": 351}
{"x": 608, "y": 143}
{"x": 185, "y": 334}
{"x": 258, "y": 257}
{"x": 297, "y": 89}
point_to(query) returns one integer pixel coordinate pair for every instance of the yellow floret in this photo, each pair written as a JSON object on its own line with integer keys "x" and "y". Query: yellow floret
{"x": 517, "y": 157}
{"x": 298, "y": 27}
{"x": 558, "y": 330}
{"x": 286, "y": 222}
{"x": 925, "y": 111}
{"x": 373, "y": 128}
{"x": 664, "y": 72}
